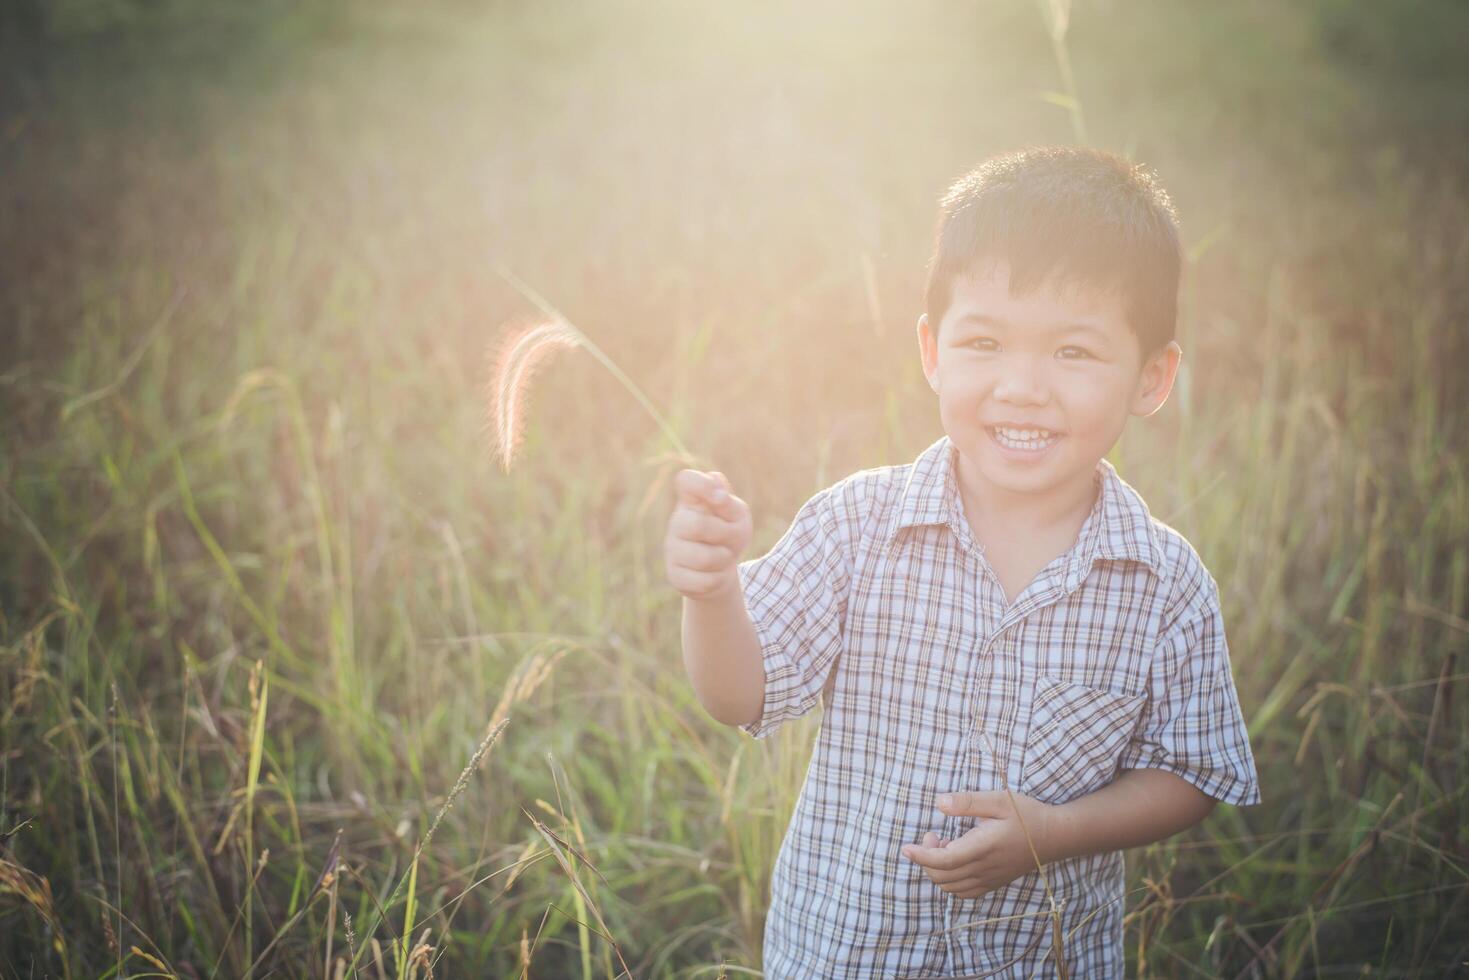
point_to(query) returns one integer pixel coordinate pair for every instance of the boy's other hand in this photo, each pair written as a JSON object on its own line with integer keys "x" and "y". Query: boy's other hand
{"x": 992, "y": 854}
{"x": 708, "y": 531}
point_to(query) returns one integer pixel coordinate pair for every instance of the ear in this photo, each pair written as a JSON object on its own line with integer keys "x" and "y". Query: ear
{"x": 1156, "y": 380}
{"x": 928, "y": 352}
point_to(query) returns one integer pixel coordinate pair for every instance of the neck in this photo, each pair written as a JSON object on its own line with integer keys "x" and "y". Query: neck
{"x": 989, "y": 506}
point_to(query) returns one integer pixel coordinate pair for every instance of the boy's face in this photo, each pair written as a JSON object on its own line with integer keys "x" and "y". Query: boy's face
{"x": 1033, "y": 391}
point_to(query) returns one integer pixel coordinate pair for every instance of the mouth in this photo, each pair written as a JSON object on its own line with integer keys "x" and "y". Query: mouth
{"x": 1025, "y": 440}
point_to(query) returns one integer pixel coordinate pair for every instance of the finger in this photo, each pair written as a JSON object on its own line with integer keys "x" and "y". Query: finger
{"x": 977, "y": 803}
{"x": 946, "y": 878}
{"x": 699, "y": 557}
{"x": 692, "y": 524}
{"x": 935, "y": 858}
{"x": 726, "y": 504}
{"x": 968, "y": 888}
{"x": 695, "y": 584}
{"x": 931, "y": 839}
{"x": 698, "y": 489}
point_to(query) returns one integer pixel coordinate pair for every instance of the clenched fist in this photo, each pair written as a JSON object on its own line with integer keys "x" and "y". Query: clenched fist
{"x": 708, "y": 531}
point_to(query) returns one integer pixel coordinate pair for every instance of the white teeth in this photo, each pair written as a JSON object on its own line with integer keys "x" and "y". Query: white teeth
{"x": 1024, "y": 438}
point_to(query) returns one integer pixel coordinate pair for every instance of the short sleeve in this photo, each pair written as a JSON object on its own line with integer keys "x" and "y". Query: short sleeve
{"x": 1191, "y": 724}
{"x": 796, "y": 595}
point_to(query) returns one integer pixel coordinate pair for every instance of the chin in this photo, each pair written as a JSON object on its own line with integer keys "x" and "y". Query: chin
{"x": 1032, "y": 483}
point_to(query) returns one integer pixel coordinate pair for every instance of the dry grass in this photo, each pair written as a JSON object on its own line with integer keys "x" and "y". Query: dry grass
{"x": 242, "y": 415}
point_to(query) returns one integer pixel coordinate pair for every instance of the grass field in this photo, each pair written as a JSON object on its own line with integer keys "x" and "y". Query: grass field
{"x": 295, "y": 681}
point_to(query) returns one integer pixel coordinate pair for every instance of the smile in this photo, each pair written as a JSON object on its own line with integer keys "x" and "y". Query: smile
{"x": 1024, "y": 440}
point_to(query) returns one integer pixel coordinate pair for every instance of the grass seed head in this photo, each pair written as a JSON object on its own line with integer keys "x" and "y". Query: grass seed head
{"x": 517, "y": 358}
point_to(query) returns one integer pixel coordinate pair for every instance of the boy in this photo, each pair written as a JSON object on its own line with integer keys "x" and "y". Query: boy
{"x": 1022, "y": 671}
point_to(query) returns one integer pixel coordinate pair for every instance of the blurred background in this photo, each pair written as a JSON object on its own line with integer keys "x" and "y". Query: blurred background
{"x": 295, "y": 680}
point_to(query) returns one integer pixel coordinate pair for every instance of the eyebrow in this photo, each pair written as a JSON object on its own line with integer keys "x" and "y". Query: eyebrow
{"x": 985, "y": 320}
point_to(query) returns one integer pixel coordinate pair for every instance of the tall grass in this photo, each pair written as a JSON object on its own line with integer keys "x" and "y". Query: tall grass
{"x": 294, "y": 679}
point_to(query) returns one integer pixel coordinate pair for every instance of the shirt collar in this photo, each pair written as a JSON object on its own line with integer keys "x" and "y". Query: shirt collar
{"x": 1119, "y": 527}
{"x": 931, "y": 493}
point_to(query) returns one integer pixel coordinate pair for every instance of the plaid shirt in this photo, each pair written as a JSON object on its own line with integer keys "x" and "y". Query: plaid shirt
{"x": 878, "y": 602}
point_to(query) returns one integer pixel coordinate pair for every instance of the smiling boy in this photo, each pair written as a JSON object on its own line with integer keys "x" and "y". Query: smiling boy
{"x": 1018, "y": 663}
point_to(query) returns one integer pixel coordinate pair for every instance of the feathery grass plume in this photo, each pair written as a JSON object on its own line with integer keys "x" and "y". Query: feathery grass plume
{"x": 520, "y": 354}
{"x": 524, "y": 351}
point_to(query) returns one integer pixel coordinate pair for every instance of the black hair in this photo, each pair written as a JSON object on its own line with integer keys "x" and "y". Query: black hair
{"x": 1070, "y": 217}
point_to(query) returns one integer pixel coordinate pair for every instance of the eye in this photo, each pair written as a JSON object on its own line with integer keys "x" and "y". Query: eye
{"x": 985, "y": 344}
{"x": 1073, "y": 353}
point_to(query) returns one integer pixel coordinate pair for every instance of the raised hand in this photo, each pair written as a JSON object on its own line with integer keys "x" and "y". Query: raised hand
{"x": 708, "y": 531}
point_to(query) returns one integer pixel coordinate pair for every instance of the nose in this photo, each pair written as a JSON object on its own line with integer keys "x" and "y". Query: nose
{"x": 1023, "y": 382}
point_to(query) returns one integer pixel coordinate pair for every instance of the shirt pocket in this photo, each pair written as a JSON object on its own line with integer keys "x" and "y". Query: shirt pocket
{"x": 1077, "y": 734}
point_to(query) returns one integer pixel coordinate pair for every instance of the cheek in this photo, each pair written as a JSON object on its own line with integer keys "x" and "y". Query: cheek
{"x": 1095, "y": 403}
{"x": 959, "y": 398}
{"x": 963, "y": 382}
